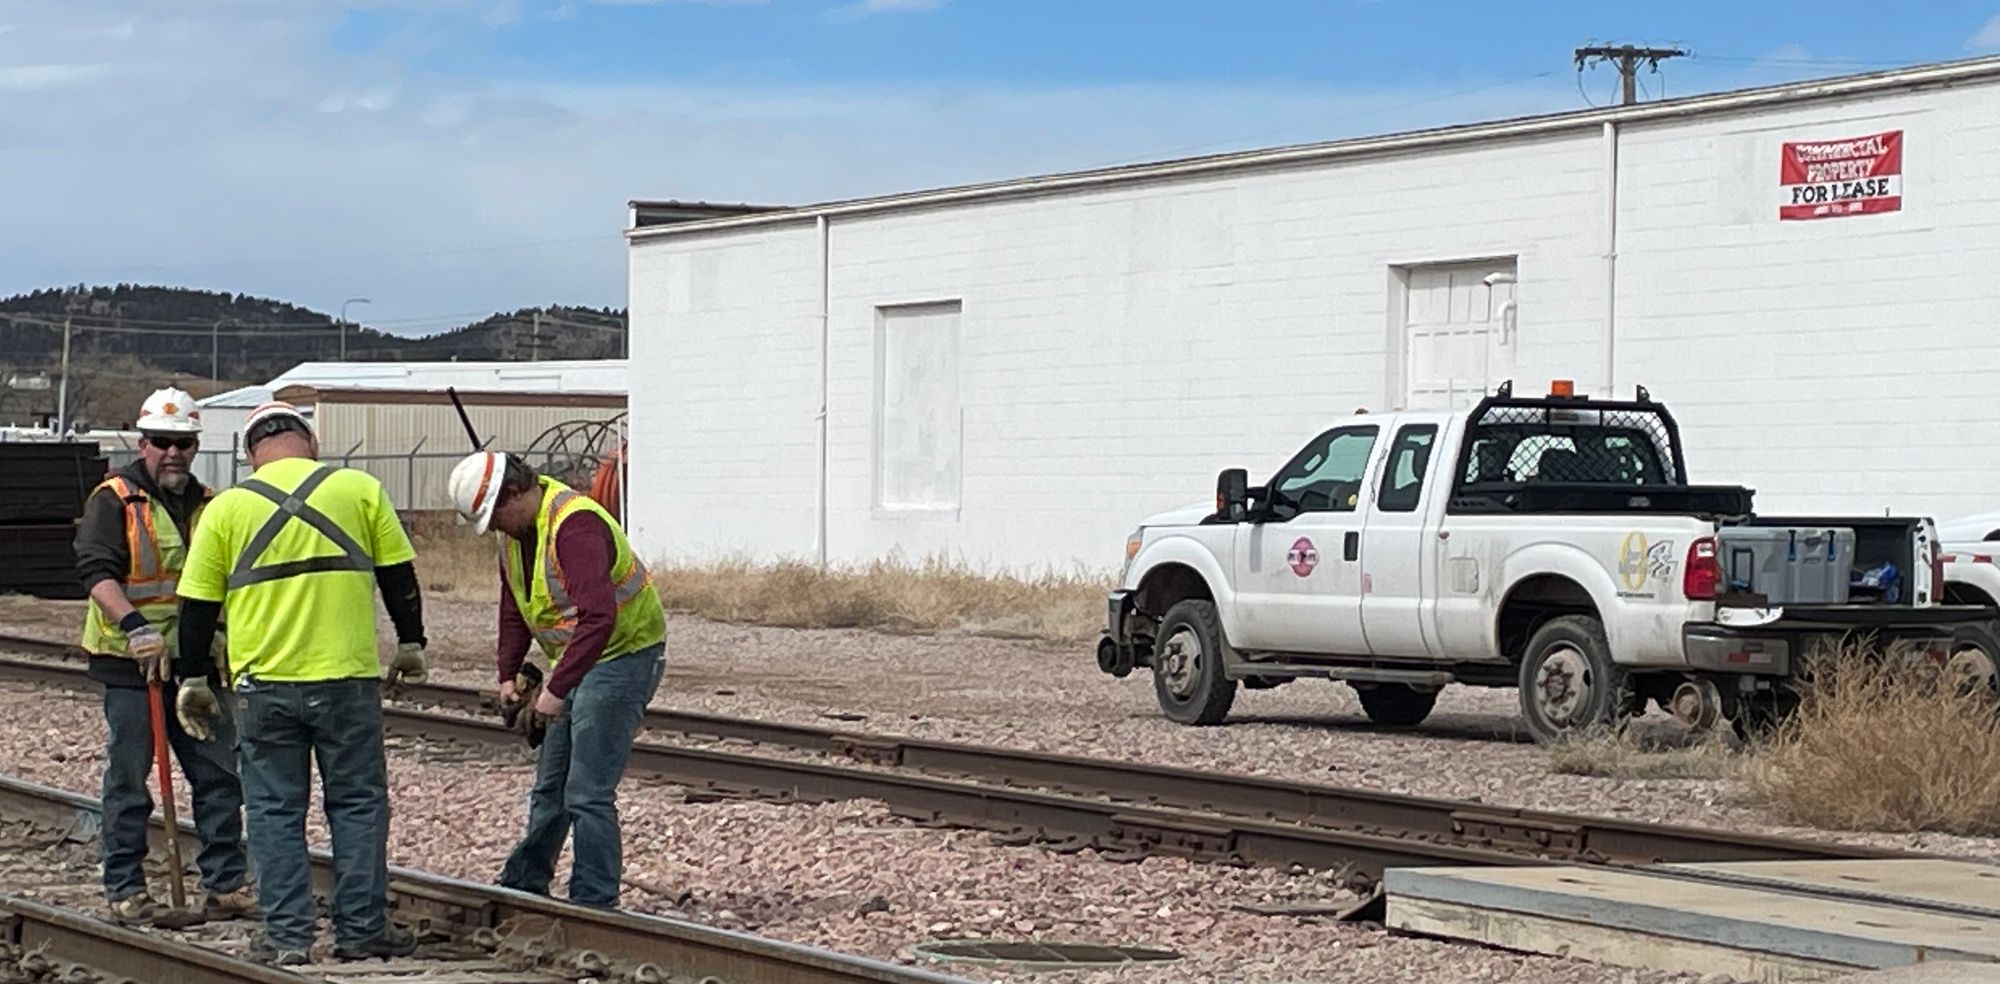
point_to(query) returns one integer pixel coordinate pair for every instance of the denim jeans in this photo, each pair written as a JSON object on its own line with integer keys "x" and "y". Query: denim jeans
{"x": 576, "y": 781}
{"x": 210, "y": 770}
{"x": 282, "y": 729}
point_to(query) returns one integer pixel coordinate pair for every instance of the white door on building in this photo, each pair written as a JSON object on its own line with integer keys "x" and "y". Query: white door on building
{"x": 1458, "y": 338}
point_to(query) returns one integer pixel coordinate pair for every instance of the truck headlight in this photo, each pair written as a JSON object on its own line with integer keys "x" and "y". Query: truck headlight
{"x": 1132, "y": 545}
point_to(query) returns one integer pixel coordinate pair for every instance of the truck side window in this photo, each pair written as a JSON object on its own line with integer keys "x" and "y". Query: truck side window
{"x": 1409, "y": 459}
{"x": 1326, "y": 476}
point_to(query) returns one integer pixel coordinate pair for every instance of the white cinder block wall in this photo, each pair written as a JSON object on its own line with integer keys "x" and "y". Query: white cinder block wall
{"x": 1839, "y": 365}
{"x": 1116, "y": 347}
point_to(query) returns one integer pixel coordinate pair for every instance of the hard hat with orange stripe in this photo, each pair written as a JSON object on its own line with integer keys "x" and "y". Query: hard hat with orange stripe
{"x": 475, "y": 486}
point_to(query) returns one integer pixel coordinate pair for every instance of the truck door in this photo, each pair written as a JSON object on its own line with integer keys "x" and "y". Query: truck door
{"x": 1395, "y": 554}
{"x": 1297, "y": 571}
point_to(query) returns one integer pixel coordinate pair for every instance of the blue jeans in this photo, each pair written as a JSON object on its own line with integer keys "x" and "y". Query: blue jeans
{"x": 210, "y": 770}
{"x": 282, "y": 729}
{"x": 576, "y": 781}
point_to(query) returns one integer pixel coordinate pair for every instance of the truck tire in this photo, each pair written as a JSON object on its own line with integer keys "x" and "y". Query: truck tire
{"x": 1970, "y": 667}
{"x": 1396, "y": 705}
{"x": 1568, "y": 682}
{"x": 1187, "y": 665}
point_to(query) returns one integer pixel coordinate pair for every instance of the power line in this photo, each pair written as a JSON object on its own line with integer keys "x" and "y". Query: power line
{"x": 1268, "y": 134}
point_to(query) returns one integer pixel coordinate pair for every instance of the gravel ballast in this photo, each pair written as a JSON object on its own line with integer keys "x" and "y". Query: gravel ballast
{"x": 852, "y": 877}
{"x": 1032, "y": 696}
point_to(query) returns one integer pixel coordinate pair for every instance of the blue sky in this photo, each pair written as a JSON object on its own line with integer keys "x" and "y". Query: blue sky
{"x": 445, "y": 157}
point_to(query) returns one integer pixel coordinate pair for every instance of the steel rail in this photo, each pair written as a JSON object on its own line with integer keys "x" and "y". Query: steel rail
{"x": 1126, "y": 808}
{"x": 621, "y": 945}
{"x": 71, "y": 940}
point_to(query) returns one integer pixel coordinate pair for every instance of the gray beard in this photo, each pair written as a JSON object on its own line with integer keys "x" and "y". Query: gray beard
{"x": 175, "y": 482}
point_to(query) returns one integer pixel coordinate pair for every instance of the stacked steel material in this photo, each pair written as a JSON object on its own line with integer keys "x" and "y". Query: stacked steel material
{"x": 42, "y": 488}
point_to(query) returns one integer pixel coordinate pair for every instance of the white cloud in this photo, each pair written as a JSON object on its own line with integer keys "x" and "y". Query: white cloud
{"x": 32, "y": 78}
{"x": 1988, "y": 38}
{"x": 869, "y": 8}
{"x": 276, "y": 164}
{"x": 1791, "y": 53}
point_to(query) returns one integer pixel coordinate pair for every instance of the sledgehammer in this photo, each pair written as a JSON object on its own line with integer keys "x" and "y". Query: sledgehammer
{"x": 178, "y": 917}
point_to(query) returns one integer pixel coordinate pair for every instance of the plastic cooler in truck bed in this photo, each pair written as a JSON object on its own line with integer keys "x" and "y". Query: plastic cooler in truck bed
{"x": 1788, "y": 565}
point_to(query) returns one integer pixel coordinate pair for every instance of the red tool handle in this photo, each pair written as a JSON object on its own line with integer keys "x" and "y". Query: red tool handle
{"x": 157, "y": 702}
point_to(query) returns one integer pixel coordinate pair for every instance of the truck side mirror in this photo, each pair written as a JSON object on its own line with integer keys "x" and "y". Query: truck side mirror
{"x": 1232, "y": 494}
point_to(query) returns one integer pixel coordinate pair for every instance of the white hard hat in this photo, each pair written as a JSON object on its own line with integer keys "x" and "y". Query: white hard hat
{"x": 266, "y": 411}
{"x": 169, "y": 411}
{"x": 475, "y": 486}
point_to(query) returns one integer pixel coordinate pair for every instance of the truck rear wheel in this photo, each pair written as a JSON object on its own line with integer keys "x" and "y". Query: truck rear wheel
{"x": 1568, "y": 682}
{"x": 1971, "y": 666}
{"x": 1187, "y": 665}
{"x": 1396, "y": 705}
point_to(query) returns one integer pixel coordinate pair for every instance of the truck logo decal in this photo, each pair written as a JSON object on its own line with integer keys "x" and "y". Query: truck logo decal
{"x": 1303, "y": 556}
{"x": 1639, "y": 561}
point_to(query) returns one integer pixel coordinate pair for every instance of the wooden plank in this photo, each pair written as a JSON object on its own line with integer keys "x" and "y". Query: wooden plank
{"x": 1531, "y": 933}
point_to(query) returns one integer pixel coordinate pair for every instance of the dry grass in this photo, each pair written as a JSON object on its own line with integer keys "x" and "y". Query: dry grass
{"x": 1884, "y": 745}
{"x": 1634, "y": 753}
{"x": 933, "y": 596}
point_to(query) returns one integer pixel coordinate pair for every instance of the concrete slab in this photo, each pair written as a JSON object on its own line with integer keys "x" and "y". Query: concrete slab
{"x": 1761, "y": 922}
{"x": 1943, "y": 884}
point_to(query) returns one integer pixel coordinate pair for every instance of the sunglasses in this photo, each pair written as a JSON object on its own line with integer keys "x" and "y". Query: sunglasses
{"x": 177, "y": 443}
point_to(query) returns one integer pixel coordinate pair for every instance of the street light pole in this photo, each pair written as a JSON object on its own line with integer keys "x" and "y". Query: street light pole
{"x": 343, "y": 322}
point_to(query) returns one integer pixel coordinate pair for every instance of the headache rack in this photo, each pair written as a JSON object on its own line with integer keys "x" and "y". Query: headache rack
{"x": 1573, "y": 454}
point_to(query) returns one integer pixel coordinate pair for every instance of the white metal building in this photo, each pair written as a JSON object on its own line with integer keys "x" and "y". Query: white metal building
{"x": 1016, "y": 372}
{"x": 395, "y": 420}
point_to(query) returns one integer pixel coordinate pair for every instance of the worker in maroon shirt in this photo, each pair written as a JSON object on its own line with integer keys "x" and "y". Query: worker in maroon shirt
{"x": 571, "y": 583}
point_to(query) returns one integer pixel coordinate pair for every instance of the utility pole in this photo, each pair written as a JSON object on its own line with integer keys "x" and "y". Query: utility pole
{"x": 62, "y": 390}
{"x": 215, "y": 353}
{"x": 1627, "y": 58}
{"x": 535, "y": 339}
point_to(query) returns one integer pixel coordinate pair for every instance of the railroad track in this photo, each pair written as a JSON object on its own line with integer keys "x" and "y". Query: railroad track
{"x": 1124, "y": 809}
{"x": 469, "y": 932}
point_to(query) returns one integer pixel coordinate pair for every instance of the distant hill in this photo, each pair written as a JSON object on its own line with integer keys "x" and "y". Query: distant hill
{"x": 131, "y": 338}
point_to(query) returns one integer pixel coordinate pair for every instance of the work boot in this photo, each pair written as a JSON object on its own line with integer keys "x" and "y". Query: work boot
{"x": 394, "y": 942}
{"x": 239, "y": 904}
{"x": 136, "y": 909}
{"x": 264, "y": 952}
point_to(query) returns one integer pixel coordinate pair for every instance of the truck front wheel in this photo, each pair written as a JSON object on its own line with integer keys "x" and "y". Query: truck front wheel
{"x": 1187, "y": 665}
{"x": 1568, "y": 681}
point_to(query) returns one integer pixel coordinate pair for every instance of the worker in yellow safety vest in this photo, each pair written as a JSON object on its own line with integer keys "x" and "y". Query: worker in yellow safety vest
{"x": 295, "y": 554}
{"x": 130, "y": 547}
{"x": 570, "y": 582}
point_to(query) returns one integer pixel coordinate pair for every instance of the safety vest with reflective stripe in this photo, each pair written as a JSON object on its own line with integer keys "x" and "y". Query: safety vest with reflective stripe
{"x": 543, "y": 596}
{"x": 152, "y": 576}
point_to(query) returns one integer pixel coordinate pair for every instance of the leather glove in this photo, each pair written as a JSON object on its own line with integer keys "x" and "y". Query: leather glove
{"x": 520, "y": 713}
{"x": 407, "y": 666}
{"x": 147, "y": 645}
{"x": 197, "y": 708}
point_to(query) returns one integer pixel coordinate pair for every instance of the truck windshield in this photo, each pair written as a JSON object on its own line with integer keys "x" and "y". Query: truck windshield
{"x": 1540, "y": 445}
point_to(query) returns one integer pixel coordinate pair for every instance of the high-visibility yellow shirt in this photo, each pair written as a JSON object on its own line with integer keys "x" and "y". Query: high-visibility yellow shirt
{"x": 297, "y": 587}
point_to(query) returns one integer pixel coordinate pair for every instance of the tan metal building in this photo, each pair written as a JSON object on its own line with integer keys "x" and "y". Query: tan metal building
{"x": 410, "y": 439}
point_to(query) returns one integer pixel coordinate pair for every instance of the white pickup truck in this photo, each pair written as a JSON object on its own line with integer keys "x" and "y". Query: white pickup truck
{"x": 1551, "y": 544}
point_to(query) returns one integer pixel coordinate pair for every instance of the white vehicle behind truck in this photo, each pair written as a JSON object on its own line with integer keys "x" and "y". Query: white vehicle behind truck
{"x": 1553, "y": 544}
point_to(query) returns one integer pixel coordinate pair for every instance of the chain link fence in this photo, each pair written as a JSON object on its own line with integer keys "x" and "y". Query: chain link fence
{"x": 417, "y": 480}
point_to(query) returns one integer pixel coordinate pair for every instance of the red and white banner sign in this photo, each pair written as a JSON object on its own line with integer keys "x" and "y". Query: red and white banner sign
{"x": 1828, "y": 178}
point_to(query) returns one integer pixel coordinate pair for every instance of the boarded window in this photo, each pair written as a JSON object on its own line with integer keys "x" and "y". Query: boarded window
{"x": 917, "y": 445}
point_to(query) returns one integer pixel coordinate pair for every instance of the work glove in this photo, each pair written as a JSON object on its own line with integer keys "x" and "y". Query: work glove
{"x": 407, "y": 666}
{"x": 519, "y": 713}
{"x": 147, "y": 645}
{"x": 197, "y": 708}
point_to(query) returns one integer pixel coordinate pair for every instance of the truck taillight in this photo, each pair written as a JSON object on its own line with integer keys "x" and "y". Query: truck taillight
{"x": 1937, "y": 573}
{"x": 1703, "y": 572}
